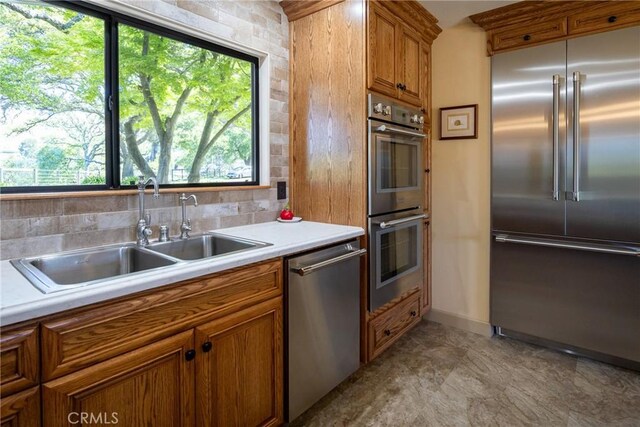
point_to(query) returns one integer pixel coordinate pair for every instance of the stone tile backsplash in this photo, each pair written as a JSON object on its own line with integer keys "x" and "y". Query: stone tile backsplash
{"x": 41, "y": 226}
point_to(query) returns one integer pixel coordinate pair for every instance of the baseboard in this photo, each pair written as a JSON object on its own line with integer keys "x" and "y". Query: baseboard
{"x": 460, "y": 322}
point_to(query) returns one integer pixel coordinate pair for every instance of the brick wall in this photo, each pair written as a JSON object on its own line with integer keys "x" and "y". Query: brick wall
{"x": 35, "y": 227}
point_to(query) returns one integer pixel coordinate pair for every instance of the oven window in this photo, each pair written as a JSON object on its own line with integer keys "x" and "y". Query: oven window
{"x": 398, "y": 253}
{"x": 397, "y": 165}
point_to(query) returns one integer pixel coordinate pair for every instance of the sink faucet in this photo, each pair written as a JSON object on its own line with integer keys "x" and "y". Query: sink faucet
{"x": 143, "y": 229}
{"x": 185, "y": 227}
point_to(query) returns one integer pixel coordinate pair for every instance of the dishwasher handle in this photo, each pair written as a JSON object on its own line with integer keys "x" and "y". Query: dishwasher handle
{"x": 302, "y": 271}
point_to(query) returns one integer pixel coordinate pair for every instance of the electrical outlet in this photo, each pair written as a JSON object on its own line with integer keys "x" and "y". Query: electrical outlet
{"x": 282, "y": 190}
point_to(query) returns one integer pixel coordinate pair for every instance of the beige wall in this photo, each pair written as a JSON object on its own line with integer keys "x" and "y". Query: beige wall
{"x": 35, "y": 227}
{"x": 461, "y": 178}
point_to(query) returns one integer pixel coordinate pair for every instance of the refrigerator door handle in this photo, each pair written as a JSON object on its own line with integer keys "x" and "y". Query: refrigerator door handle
{"x": 617, "y": 250}
{"x": 556, "y": 135}
{"x": 577, "y": 76}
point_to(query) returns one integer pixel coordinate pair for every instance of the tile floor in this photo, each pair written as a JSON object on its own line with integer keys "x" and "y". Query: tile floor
{"x": 442, "y": 376}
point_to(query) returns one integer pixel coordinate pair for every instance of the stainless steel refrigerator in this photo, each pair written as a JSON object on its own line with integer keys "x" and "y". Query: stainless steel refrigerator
{"x": 565, "y": 251}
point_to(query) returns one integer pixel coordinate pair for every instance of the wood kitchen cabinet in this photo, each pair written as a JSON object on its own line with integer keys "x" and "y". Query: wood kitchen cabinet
{"x": 383, "y": 53}
{"x": 19, "y": 377}
{"x": 206, "y": 351}
{"x": 524, "y": 24}
{"x": 409, "y": 66}
{"x": 425, "y": 300}
{"x": 18, "y": 359}
{"x": 240, "y": 371}
{"x": 386, "y": 327}
{"x": 151, "y": 386}
{"x": 395, "y": 60}
{"x": 21, "y": 409}
{"x": 231, "y": 375}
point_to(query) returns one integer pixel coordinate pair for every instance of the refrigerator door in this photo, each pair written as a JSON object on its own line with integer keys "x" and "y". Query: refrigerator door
{"x": 528, "y": 112}
{"x": 608, "y": 139}
{"x": 583, "y": 297}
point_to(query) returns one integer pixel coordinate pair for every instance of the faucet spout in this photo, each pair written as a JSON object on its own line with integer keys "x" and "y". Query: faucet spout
{"x": 185, "y": 227}
{"x": 143, "y": 229}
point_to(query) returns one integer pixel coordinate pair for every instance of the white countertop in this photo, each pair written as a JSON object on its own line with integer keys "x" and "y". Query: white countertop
{"x": 20, "y": 300}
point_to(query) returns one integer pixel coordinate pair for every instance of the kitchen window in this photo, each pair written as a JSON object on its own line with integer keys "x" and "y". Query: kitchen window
{"x": 89, "y": 99}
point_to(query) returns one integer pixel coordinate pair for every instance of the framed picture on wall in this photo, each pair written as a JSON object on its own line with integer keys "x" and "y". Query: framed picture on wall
{"x": 459, "y": 122}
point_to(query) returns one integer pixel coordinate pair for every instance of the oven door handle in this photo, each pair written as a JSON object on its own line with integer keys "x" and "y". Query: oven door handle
{"x": 387, "y": 224}
{"x": 386, "y": 128}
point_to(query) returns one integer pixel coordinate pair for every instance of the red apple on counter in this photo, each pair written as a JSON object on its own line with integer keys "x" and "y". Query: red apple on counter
{"x": 286, "y": 213}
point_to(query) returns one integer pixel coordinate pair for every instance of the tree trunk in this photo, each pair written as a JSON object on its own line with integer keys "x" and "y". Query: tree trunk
{"x": 127, "y": 163}
{"x": 134, "y": 151}
{"x": 204, "y": 146}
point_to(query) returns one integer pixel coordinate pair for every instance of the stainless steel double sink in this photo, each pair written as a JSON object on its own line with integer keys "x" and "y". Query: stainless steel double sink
{"x": 93, "y": 266}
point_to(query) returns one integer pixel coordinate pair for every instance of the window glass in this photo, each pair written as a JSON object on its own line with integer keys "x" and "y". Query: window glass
{"x": 52, "y": 114}
{"x": 185, "y": 111}
{"x": 77, "y": 112}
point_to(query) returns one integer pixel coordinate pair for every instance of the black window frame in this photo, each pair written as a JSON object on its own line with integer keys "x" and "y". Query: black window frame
{"x": 112, "y": 111}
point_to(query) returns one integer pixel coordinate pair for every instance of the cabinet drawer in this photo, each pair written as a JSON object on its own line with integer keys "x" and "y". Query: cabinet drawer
{"x": 18, "y": 359}
{"x": 91, "y": 335}
{"x": 387, "y": 327}
{"x": 604, "y": 17}
{"x": 21, "y": 409}
{"x": 518, "y": 36}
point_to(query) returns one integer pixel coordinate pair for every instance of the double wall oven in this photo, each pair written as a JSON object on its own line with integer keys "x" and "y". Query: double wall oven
{"x": 395, "y": 199}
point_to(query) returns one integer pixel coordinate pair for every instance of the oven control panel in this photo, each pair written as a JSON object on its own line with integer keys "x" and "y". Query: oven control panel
{"x": 389, "y": 110}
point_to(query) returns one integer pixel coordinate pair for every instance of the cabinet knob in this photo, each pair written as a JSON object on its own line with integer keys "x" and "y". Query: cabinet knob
{"x": 190, "y": 355}
{"x": 612, "y": 19}
{"x": 387, "y": 332}
{"x": 527, "y": 38}
{"x": 413, "y": 313}
{"x": 206, "y": 347}
{"x": 427, "y": 170}
{"x": 399, "y": 86}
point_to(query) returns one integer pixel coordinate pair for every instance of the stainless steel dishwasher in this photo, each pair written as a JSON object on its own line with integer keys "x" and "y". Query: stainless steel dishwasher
{"x": 323, "y": 323}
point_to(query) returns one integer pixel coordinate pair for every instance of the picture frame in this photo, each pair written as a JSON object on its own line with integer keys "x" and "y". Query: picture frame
{"x": 460, "y": 122}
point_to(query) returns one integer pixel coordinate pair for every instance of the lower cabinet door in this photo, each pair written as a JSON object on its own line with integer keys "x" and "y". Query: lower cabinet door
{"x": 151, "y": 386}
{"x": 239, "y": 368}
{"x": 21, "y": 409}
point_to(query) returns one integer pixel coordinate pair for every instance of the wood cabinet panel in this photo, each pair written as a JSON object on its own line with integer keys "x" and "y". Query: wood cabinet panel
{"x": 19, "y": 365}
{"x": 425, "y": 74}
{"x": 328, "y": 116}
{"x": 518, "y": 36}
{"x": 151, "y": 386}
{"x": 21, "y": 409}
{"x": 605, "y": 17}
{"x": 389, "y": 325}
{"x": 91, "y": 335}
{"x": 409, "y": 65}
{"x": 240, "y": 368}
{"x": 425, "y": 297}
{"x": 547, "y": 21}
{"x": 382, "y": 51}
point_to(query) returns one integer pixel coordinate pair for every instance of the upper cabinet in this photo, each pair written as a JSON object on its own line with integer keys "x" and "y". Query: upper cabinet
{"x": 525, "y": 24}
{"x": 383, "y": 36}
{"x": 409, "y": 62}
{"x": 395, "y": 60}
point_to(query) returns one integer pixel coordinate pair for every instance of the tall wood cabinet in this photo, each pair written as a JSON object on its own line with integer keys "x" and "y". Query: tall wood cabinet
{"x": 340, "y": 51}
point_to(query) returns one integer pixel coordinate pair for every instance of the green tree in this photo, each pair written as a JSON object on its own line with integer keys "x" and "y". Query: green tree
{"x": 51, "y": 157}
{"x": 171, "y": 94}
